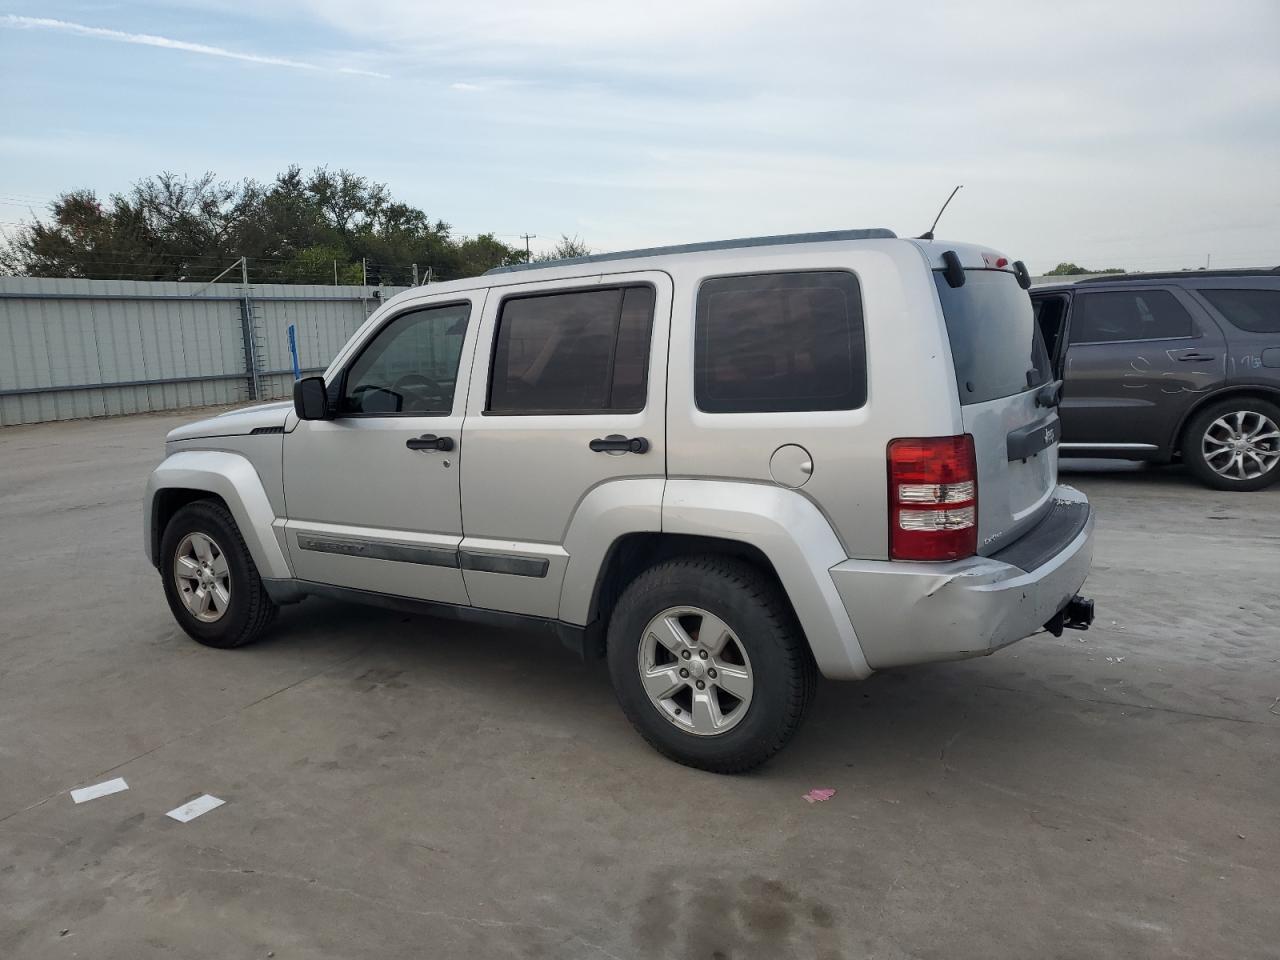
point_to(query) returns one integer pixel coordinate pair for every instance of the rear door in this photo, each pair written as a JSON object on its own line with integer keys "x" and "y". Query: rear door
{"x": 569, "y": 395}
{"x": 1000, "y": 364}
{"x": 1136, "y": 361}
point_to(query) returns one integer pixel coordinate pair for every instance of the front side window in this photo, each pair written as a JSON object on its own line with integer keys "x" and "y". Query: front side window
{"x": 411, "y": 365}
{"x": 1255, "y": 311}
{"x": 584, "y": 351}
{"x": 1128, "y": 315}
{"x": 780, "y": 342}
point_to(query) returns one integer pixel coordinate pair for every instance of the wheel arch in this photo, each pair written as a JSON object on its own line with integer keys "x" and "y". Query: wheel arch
{"x": 778, "y": 530}
{"x": 1254, "y": 391}
{"x": 632, "y": 553}
{"x": 228, "y": 478}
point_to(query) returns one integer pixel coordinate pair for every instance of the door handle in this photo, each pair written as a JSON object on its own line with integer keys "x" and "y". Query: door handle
{"x": 1195, "y": 356}
{"x": 617, "y": 443}
{"x": 429, "y": 441}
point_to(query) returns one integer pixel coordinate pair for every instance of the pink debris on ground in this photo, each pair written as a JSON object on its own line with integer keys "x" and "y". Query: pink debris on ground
{"x": 818, "y": 795}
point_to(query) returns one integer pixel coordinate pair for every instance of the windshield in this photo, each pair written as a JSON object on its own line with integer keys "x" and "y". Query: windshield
{"x": 995, "y": 343}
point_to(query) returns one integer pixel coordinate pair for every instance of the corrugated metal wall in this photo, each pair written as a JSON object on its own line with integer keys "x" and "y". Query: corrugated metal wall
{"x": 93, "y": 348}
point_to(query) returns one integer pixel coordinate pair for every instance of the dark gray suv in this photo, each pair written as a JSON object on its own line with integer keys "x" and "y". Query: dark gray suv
{"x": 1160, "y": 366}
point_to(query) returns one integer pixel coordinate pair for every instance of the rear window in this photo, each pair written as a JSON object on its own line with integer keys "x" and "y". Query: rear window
{"x": 995, "y": 343}
{"x": 780, "y": 342}
{"x": 1255, "y": 311}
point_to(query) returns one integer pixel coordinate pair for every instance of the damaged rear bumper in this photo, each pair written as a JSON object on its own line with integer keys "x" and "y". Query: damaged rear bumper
{"x": 904, "y": 612}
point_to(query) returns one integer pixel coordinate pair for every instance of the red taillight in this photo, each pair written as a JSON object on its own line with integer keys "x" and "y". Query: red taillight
{"x": 933, "y": 498}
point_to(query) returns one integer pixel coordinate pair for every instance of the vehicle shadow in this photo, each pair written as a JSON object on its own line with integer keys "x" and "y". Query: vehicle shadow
{"x": 890, "y": 722}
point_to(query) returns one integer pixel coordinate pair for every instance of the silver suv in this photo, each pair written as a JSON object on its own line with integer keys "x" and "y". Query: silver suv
{"x": 726, "y": 467}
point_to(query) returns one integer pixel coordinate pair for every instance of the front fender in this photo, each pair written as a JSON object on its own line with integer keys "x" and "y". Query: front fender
{"x": 799, "y": 542}
{"x": 231, "y": 477}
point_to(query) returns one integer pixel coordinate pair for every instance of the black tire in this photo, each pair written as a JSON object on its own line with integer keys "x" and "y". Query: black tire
{"x": 249, "y": 609}
{"x": 752, "y": 605}
{"x": 1193, "y": 439}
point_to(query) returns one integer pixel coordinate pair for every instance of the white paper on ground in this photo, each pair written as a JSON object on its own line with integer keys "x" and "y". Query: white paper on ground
{"x": 189, "y": 811}
{"x": 99, "y": 790}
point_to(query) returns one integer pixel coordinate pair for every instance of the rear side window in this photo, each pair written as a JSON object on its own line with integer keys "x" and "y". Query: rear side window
{"x": 995, "y": 343}
{"x": 586, "y": 351}
{"x": 1128, "y": 315}
{"x": 780, "y": 342}
{"x": 1256, "y": 311}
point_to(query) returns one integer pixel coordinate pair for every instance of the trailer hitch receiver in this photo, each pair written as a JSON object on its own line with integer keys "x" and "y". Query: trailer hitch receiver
{"x": 1076, "y": 615}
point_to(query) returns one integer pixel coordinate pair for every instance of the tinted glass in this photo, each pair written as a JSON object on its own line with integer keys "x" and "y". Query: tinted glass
{"x": 1128, "y": 315}
{"x": 995, "y": 343}
{"x": 631, "y": 358}
{"x": 780, "y": 341}
{"x": 580, "y": 352}
{"x": 1257, "y": 311}
{"x": 411, "y": 366}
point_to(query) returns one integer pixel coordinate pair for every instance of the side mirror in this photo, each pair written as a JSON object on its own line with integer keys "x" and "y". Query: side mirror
{"x": 310, "y": 399}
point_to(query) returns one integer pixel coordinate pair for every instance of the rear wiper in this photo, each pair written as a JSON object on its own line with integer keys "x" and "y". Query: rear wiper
{"x": 1050, "y": 395}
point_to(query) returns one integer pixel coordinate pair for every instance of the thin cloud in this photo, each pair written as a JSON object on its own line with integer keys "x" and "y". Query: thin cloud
{"x": 167, "y": 43}
{"x": 466, "y": 87}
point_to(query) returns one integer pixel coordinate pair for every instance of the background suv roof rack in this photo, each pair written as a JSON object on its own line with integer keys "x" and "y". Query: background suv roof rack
{"x": 1180, "y": 275}
{"x": 875, "y": 233}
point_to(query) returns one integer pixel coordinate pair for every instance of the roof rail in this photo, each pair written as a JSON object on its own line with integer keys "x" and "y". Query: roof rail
{"x": 875, "y": 233}
{"x": 1178, "y": 275}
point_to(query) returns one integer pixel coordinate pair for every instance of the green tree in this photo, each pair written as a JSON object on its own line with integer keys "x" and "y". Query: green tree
{"x": 1072, "y": 270}
{"x": 567, "y": 248}
{"x": 293, "y": 230}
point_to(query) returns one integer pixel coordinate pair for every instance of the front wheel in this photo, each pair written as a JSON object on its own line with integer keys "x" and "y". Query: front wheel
{"x": 1235, "y": 445}
{"x": 708, "y": 663}
{"x": 210, "y": 579}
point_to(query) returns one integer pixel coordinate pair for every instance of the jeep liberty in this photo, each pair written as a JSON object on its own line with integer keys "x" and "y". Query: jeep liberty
{"x": 725, "y": 467}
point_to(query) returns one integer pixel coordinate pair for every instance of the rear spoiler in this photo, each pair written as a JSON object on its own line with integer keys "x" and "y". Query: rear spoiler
{"x": 953, "y": 271}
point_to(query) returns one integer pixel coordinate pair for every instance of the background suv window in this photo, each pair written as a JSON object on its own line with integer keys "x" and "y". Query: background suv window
{"x": 411, "y": 366}
{"x": 1128, "y": 315}
{"x": 581, "y": 352}
{"x": 780, "y": 341}
{"x": 1256, "y": 311}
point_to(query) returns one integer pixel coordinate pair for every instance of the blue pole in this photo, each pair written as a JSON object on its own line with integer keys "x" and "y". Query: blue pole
{"x": 293, "y": 351}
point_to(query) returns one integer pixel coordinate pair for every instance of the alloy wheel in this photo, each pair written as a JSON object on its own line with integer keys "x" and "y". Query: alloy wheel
{"x": 695, "y": 671}
{"x": 203, "y": 577}
{"x": 1243, "y": 445}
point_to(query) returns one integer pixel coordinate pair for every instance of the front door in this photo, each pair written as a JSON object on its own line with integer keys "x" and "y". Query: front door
{"x": 372, "y": 495}
{"x": 1136, "y": 360}
{"x": 574, "y": 401}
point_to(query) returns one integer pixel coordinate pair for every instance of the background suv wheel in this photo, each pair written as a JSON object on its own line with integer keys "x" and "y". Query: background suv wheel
{"x": 210, "y": 580}
{"x": 709, "y": 664}
{"x": 1235, "y": 444}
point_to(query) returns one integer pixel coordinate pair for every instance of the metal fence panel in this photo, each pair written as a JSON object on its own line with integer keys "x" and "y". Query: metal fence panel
{"x": 92, "y": 348}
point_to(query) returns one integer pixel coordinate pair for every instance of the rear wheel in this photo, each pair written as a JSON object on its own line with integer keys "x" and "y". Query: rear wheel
{"x": 709, "y": 664}
{"x": 210, "y": 579}
{"x": 1235, "y": 444}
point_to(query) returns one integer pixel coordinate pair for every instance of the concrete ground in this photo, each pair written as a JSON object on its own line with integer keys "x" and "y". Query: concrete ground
{"x": 400, "y": 786}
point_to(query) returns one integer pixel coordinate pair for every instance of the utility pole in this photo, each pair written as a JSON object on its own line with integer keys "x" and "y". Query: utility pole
{"x": 526, "y": 237}
{"x": 429, "y": 272}
{"x": 335, "y": 273}
{"x": 415, "y": 274}
{"x": 364, "y": 271}
{"x": 1207, "y": 258}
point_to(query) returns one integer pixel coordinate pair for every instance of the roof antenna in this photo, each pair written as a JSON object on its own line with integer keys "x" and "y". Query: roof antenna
{"x": 928, "y": 235}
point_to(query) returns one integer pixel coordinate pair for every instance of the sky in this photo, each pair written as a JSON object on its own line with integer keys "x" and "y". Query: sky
{"x": 1134, "y": 134}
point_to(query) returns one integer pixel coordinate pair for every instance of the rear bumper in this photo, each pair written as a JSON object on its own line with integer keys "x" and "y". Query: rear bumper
{"x": 906, "y": 613}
